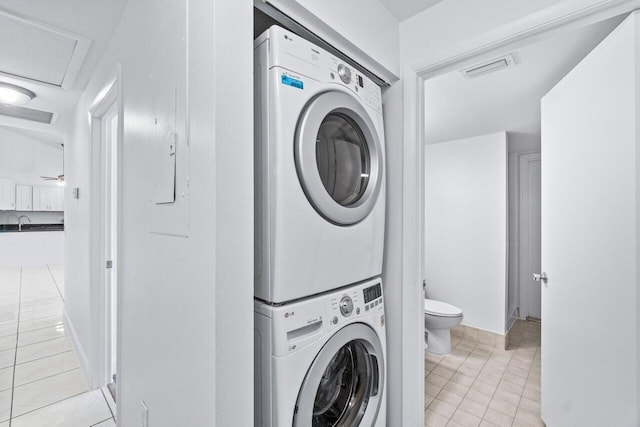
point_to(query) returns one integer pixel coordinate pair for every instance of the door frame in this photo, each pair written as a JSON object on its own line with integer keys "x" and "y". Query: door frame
{"x": 552, "y": 20}
{"x": 100, "y": 363}
{"x": 523, "y": 231}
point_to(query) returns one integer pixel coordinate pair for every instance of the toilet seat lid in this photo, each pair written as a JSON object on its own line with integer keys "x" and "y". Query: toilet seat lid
{"x": 439, "y": 308}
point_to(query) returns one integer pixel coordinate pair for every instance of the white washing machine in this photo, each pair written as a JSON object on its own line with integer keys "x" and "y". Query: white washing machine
{"x": 321, "y": 362}
{"x": 319, "y": 170}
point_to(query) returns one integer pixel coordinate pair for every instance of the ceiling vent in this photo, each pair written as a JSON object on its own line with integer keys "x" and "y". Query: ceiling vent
{"x": 26, "y": 113}
{"x": 487, "y": 67}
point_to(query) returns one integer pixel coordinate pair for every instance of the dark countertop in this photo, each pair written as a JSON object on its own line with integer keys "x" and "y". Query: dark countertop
{"x": 8, "y": 228}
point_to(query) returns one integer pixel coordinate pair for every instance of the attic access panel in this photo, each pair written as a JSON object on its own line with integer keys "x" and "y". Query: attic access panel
{"x": 38, "y": 52}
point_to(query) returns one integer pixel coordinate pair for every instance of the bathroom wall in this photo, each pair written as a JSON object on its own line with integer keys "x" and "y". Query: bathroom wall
{"x": 466, "y": 227}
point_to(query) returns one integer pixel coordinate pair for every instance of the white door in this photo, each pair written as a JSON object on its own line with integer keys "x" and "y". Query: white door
{"x": 589, "y": 243}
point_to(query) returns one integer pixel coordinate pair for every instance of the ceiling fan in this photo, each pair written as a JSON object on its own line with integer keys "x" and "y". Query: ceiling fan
{"x": 60, "y": 178}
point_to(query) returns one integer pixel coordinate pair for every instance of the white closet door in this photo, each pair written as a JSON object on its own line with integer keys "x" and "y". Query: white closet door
{"x": 589, "y": 239}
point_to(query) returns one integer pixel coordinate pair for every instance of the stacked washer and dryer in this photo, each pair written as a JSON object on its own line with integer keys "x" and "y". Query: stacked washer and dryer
{"x": 320, "y": 343}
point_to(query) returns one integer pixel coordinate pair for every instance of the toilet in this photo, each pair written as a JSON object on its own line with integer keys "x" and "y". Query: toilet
{"x": 439, "y": 318}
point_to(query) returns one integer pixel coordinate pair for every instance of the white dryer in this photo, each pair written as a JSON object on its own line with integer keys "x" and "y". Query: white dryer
{"x": 321, "y": 362}
{"x": 319, "y": 170}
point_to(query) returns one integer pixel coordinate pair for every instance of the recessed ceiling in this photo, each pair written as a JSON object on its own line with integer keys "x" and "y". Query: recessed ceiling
{"x": 24, "y": 113}
{"x": 52, "y": 48}
{"x": 508, "y": 99}
{"x": 405, "y": 9}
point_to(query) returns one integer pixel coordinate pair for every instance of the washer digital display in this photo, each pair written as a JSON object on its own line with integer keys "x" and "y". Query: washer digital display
{"x": 372, "y": 293}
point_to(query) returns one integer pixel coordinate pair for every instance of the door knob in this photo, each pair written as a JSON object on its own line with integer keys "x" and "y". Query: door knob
{"x": 540, "y": 277}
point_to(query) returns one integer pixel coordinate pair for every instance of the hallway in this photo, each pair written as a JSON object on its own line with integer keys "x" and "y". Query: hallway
{"x": 479, "y": 385}
{"x": 41, "y": 382}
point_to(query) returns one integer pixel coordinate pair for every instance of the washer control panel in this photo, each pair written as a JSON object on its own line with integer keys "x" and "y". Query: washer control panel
{"x": 346, "y": 306}
{"x": 293, "y": 326}
{"x": 372, "y": 296}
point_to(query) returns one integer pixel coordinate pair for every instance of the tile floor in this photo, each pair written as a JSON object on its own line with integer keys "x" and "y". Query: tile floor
{"x": 479, "y": 385}
{"x": 41, "y": 383}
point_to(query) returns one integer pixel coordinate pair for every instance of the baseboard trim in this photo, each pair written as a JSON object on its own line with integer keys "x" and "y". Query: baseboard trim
{"x": 469, "y": 333}
{"x": 511, "y": 320}
{"x": 80, "y": 353}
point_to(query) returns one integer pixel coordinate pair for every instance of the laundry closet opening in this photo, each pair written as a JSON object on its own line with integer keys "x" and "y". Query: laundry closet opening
{"x": 320, "y": 329}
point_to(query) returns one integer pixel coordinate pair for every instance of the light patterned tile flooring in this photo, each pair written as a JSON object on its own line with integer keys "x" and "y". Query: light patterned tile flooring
{"x": 41, "y": 383}
{"x": 480, "y": 385}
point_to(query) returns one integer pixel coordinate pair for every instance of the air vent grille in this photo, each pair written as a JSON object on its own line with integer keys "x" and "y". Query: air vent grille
{"x": 26, "y": 113}
{"x": 488, "y": 67}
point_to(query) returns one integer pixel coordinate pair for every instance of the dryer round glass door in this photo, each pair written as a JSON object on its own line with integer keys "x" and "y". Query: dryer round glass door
{"x": 343, "y": 386}
{"x": 338, "y": 157}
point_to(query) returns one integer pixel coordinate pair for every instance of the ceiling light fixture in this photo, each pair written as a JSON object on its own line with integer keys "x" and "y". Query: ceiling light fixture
{"x": 15, "y": 95}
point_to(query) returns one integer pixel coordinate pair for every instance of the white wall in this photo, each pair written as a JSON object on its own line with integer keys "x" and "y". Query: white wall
{"x": 186, "y": 303}
{"x": 24, "y": 160}
{"x": 466, "y": 227}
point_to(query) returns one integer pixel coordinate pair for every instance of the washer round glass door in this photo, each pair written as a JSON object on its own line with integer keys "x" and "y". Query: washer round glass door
{"x": 343, "y": 385}
{"x": 338, "y": 157}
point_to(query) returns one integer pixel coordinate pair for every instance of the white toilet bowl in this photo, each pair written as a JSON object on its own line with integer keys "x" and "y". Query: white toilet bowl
{"x": 439, "y": 318}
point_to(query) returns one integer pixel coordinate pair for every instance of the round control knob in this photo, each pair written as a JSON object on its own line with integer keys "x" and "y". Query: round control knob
{"x": 345, "y": 73}
{"x": 346, "y": 306}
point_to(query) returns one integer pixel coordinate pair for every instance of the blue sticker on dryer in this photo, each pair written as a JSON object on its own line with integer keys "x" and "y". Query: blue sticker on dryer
{"x": 290, "y": 81}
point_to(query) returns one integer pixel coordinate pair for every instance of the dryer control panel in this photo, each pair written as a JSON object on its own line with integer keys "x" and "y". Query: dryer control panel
{"x": 291, "y": 52}
{"x": 364, "y": 88}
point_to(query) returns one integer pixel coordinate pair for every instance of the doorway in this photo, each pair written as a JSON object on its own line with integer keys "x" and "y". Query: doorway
{"x": 529, "y": 236}
{"x": 562, "y": 332}
{"x": 106, "y": 133}
{"x": 110, "y": 171}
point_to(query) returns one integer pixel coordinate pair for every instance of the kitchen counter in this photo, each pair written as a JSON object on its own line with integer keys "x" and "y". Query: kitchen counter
{"x": 36, "y": 244}
{"x": 9, "y": 228}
